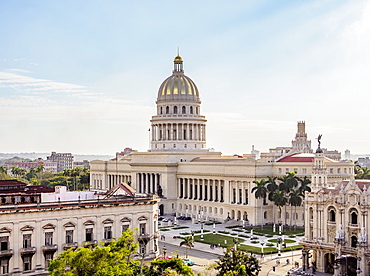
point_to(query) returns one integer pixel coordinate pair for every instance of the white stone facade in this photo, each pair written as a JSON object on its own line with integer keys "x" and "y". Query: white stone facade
{"x": 33, "y": 234}
{"x": 193, "y": 180}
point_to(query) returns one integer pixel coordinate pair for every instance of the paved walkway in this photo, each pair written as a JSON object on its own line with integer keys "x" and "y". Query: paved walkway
{"x": 267, "y": 262}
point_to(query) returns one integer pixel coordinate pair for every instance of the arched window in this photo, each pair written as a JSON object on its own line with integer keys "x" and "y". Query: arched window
{"x": 265, "y": 215}
{"x": 175, "y": 110}
{"x": 191, "y": 110}
{"x": 167, "y": 109}
{"x": 353, "y": 216}
{"x": 183, "y": 110}
{"x": 331, "y": 215}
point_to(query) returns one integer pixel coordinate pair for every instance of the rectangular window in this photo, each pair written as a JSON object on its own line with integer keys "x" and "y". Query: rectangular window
{"x": 246, "y": 197}
{"x": 240, "y": 196}
{"x": 48, "y": 258}
{"x": 4, "y": 263}
{"x": 4, "y": 243}
{"x": 26, "y": 240}
{"x": 89, "y": 234}
{"x": 304, "y": 171}
{"x": 27, "y": 265}
{"x": 287, "y": 169}
{"x": 107, "y": 232}
{"x": 142, "y": 228}
{"x": 48, "y": 238}
{"x": 69, "y": 236}
{"x": 280, "y": 171}
{"x": 331, "y": 171}
{"x": 295, "y": 170}
{"x": 234, "y": 196}
{"x": 339, "y": 170}
{"x": 125, "y": 227}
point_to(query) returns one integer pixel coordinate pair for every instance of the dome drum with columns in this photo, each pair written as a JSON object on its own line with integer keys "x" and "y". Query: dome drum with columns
{"x": 178, "y": 125}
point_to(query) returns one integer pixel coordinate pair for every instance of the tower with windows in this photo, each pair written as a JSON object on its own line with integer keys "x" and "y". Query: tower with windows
{"x": 178, "y": 125}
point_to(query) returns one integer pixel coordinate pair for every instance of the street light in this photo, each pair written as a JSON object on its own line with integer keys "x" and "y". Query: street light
{"x": 214, "y": 226}
{"x": 262, "y": 244}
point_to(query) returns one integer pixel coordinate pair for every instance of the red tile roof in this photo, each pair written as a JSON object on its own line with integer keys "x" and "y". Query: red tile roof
{"x": 302, "y": 157}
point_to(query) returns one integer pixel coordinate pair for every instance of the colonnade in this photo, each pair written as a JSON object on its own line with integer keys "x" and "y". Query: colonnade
{"x": 148, "y": 183}
{"x": 178, "y": 131}
{"x": 239, "y": 192}
{"x": 201, "y": 189}
{"x": 114, "y": 179}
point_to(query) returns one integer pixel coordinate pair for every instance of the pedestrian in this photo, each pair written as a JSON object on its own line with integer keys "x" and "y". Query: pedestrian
{"x": 164, "y": 237}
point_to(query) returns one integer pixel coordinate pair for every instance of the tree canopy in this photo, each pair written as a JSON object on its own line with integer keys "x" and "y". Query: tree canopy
{"x": 114, "y": 259}
{"x": 237, "y": 262}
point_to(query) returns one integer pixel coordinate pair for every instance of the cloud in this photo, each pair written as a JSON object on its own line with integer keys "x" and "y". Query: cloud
{"x": 34, "y": 85}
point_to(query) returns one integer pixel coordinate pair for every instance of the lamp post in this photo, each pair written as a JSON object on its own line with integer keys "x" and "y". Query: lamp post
{"x": 214, "y": 226}
{"x": 201, "y": 231}
{"x": 262, "y": 243}
{"x": 164, "y": 252}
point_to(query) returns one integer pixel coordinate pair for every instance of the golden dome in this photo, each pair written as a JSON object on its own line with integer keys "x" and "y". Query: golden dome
{"x": 178, "y": 58}
{"x": 178, "y": 87}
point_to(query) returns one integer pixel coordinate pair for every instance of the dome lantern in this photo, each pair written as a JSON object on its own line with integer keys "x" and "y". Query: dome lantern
{"x": 178, "y": 86}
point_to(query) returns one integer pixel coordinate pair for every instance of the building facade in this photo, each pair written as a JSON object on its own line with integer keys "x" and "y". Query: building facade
{"x": 33, "y": 232}
{"x": 337, "y": 228}
{"x": 63, "y": 160}
{"x": 194, "y": 181}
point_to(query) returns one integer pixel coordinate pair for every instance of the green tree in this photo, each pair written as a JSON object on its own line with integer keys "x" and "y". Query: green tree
{"x": 295, "y": 199}
{"x": 304, "y": 185}
{"x": 279, "y": 199}
{"x": 260, "y": 191}
{"x": 272, "y": 186}
{"x": 188, "y": 243}
{"x": 236, "y": 262}
{"x": 363, "y": 173}
{"x": 167, "y": 267}
{"x": 3, "y": 169}
{"x": 113, "y": 259}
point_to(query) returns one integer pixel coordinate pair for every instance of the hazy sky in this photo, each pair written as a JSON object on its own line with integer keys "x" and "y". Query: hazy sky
{"x": 82, "y": 76}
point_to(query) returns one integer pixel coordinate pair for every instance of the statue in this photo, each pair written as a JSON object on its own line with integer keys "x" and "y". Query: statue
{"x": 159, "y": 190}
{"x": 362, "y": 236}
{"x": 319, "y": 139}
{"x": 340, "y": 233}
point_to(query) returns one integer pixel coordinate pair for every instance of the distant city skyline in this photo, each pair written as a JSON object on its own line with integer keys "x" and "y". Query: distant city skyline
{"x": 83, "y": 77}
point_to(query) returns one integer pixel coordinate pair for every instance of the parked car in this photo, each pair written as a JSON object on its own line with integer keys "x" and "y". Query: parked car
{"x": 160, "y": 218}
{"x": 187, "y": 261}
{"x": 187, "y": 218}
{"x": 166, "y": 219}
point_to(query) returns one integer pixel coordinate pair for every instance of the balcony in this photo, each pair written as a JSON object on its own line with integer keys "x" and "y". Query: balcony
{"x": 28, "y": 250}
{"x": 331, "y": 223}
{"x": 90, "y": 243}
{"x": 6, "y": 253}
{"x": 353, "y": 225}
{"x": 49, "y": 247}
{"x": 69, "y": 245}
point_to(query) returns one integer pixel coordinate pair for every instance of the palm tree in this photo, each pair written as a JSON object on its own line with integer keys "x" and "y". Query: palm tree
{"x": 40, "y": 169}
{"x": 188, "y": 242}
{"x": 279, "y": 199}
{"x": 260, "y": 191}
{"x": 363, "y": 173}
{"x": 304, "y": 185}
{"x": 15, "y": 171}
{"x": 3, "y": 169}
{"x": 295, "y": 199}
{"x": 272, "y": 186}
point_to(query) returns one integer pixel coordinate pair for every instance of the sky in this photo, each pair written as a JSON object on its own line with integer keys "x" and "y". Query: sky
{"x": 83, "y": 76}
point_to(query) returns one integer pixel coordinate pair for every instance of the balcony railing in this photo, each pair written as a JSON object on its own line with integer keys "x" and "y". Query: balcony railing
{"x": 331, "y": 223}
{"x": 90, "y": 243}
{"x": 50, "y": 247}
{"x": 353, "y": 225}
{"x": 28, "y": 250}
{"x": 69, "y": 245}
{"x": 6, "y": 253}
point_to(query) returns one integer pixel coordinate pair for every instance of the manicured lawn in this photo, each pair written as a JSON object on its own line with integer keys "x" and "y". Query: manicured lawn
{"x": 285, "y": 241}
{"x": 217, "y": 239}
{"x": 268, "y": 230}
